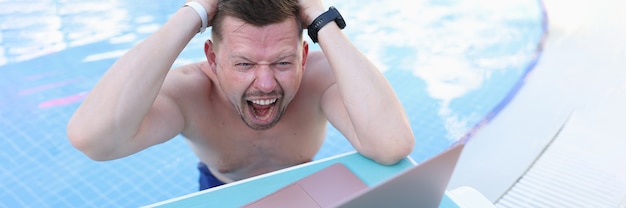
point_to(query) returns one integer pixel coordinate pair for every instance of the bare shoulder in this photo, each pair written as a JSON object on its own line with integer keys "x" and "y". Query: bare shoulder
{"x": 318, "y": 71}
{"x": 187, "y": 86}
{"x": 186, "y": 81}
{"x": 317, "y": 61}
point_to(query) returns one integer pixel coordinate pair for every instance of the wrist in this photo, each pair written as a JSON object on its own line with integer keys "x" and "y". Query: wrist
{"x": 186, "y": 20}
{"x": 311, "y": 15}
{"x": 201, "y": 12}
{"x": 330, "y": 16}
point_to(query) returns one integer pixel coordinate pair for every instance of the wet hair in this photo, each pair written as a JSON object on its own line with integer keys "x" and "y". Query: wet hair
{"x": 255, "y": 12}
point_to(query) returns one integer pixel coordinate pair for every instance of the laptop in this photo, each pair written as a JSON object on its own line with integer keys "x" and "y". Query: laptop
{"x": 336, "y": 186}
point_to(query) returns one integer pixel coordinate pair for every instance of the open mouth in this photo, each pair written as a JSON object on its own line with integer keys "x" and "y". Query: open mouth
{"x": 262, "y": 110}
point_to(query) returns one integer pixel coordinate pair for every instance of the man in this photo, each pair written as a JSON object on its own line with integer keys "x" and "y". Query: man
{"x": 259, "y": 103}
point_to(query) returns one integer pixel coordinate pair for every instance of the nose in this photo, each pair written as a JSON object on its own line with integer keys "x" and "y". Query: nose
{"x": 264, "y": 79}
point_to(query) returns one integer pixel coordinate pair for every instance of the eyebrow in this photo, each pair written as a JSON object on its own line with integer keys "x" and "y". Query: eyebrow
{"x": 282, "y": 57}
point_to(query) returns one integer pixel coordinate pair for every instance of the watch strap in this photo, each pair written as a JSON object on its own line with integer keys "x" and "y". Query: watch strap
{"x": 201, "y": 12}
{"x": 329, "y": 16}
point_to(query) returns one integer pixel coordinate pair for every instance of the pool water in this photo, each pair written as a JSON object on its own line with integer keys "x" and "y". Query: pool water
{"x": 453, "y": 64}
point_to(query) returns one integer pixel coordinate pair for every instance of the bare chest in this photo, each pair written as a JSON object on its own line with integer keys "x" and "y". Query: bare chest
{"x": 223, "y": 141}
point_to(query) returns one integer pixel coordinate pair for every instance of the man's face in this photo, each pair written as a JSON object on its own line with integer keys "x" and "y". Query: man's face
{"x": 260, "y": 69}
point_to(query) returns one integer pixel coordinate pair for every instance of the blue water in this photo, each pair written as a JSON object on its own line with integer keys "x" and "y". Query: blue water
{"x": 453, "y": 64}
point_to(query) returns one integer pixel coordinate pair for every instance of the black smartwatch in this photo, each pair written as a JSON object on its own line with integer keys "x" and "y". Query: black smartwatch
{"x": 331, "y": 15}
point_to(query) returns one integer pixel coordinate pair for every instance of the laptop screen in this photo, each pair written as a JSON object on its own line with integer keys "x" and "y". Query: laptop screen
{"x": 320, "y": 189}
{"x": 336, "y": 186}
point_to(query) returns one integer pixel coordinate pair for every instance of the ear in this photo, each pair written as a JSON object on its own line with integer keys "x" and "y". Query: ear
{"x": 209, "y": 52}
{"x": 305, "y": 53}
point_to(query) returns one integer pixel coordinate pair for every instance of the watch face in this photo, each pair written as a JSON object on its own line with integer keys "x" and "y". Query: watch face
{"x": 340, "y": 22}
{"x": 338, "y": 19}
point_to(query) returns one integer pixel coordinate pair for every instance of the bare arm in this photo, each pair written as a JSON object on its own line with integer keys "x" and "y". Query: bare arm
{"x": 361, "y": 104}
{"x": 127, "y": 111}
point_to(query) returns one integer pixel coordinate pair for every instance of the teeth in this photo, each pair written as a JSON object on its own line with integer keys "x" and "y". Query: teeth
{"x": 263, "y": 102}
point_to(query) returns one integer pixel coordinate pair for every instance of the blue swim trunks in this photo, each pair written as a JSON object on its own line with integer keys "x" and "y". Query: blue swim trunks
{"x": 207, "y": 179}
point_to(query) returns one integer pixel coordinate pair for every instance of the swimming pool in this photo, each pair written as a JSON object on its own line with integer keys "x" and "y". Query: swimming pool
{"x": 453, "y": 64}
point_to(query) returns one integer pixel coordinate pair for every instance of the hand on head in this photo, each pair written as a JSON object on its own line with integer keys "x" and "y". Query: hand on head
{"x": 309, "y": 10}
{"x": 209, "y": 5}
